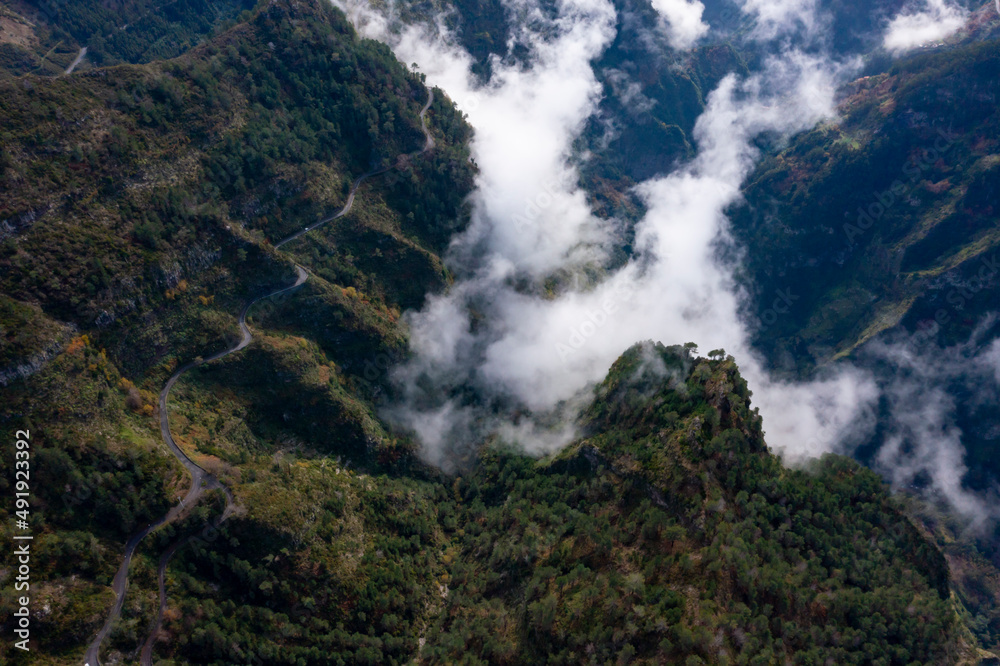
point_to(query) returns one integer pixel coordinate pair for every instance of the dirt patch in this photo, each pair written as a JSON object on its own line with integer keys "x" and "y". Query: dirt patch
{"x": 15, "y": 30}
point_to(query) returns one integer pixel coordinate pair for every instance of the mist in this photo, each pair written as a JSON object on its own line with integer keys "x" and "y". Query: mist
{"x": 539, "y": 313}
{"x": 682, "y": 21}
{"x": 924, "y": 22}
{"x": 779, "y": 17}
{"x": 923, "y": 447}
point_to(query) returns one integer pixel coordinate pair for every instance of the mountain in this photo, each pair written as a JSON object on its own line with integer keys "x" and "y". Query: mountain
{"x": 669, "y": 533}
{"x": 882, "y": 227}
{"x": 46, "y": 36}
{"x": 139, "y": 208}
{"x": 876, "y": 216}
{"x": 210, "y": 232}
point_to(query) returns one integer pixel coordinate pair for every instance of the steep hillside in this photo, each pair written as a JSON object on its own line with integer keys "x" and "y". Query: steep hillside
{"x": 138, "y": 207}
{"x": 885, "y": 221}
{"x": 883, "y": 217}
{"x": 669, "y": 534}
{"x": 50, "y": 37}
{"x": 884, "y": 226}
{"x": 156, "y": 189}
{"x": 144, "y": 202}
{"x": 653, "y": 93}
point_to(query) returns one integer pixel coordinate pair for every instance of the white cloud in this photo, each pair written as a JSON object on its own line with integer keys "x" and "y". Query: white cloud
{"x": 992, "y": 355}
{"x": 504, "y": 353}
{"x": 536, "y": 354}
{"x": 778, "y": 17}
{"x": 922, "y": 439}
{"x": 528, "y": 208}
{"x": 683, "y": 21}
{"x": 628, "y": 91}
{"x": 676, "y": 291}
{"x": 938, "y": 20}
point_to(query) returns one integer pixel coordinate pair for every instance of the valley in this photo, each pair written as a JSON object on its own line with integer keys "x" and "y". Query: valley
{"x": 464, "y": 418}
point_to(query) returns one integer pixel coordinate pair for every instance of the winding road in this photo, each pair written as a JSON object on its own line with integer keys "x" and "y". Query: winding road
{"x": 201, "y": 480}
{"x": 83, "y": 52}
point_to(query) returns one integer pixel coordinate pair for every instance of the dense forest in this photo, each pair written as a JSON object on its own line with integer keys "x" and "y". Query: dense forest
{"x": 141, "y": 198}
{"x": 885, "y": 225}
{"x": 137, "y": 212}
{"x": 668, "y": 534}
{"x": 880, "y": 225}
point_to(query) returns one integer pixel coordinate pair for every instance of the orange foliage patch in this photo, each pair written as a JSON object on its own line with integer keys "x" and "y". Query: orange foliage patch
{"x": 77, "y": 344}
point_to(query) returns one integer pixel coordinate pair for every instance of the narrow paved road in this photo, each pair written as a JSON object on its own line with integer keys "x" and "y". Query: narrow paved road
{"x": 83, "y": 52}
{"x": 428, "y": 145}
{"x": 200, "y": 479}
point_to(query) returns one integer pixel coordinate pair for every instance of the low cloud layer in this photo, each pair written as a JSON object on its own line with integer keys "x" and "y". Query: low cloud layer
{"x": 682, "y": 20}
{"x": 923, "y": 443}
{"x": 780, "y": 17}
{"x": 926, "y": 22}
{"x": 538, "y": 313}
{"x": 536, "y": 318}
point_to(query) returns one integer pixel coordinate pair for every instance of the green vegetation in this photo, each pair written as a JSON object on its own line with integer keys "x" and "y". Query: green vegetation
{"x": 99, "y": 473}
{"x": 887, "y": 220}
{"x": 139, "y": 204}
{"x": 137, "y": 31}
{"x": 863, "y": 218}
{"x": 672, "y": 535}
{"x": 189, "y": 166}
{"x": 972, "y": 557}
{"x": 136, "y": 209}
{"x": 668, "y": 534}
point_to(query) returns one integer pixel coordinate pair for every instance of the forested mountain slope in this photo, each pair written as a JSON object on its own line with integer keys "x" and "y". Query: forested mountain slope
{"x": 883, "y": 226}
{"x": 668, "y": 534}
{"x": 140, "y": 201}
{"x": 137, "y": 211}
{"x": 46, "y": 36}
{"x": 877, "y": 217}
